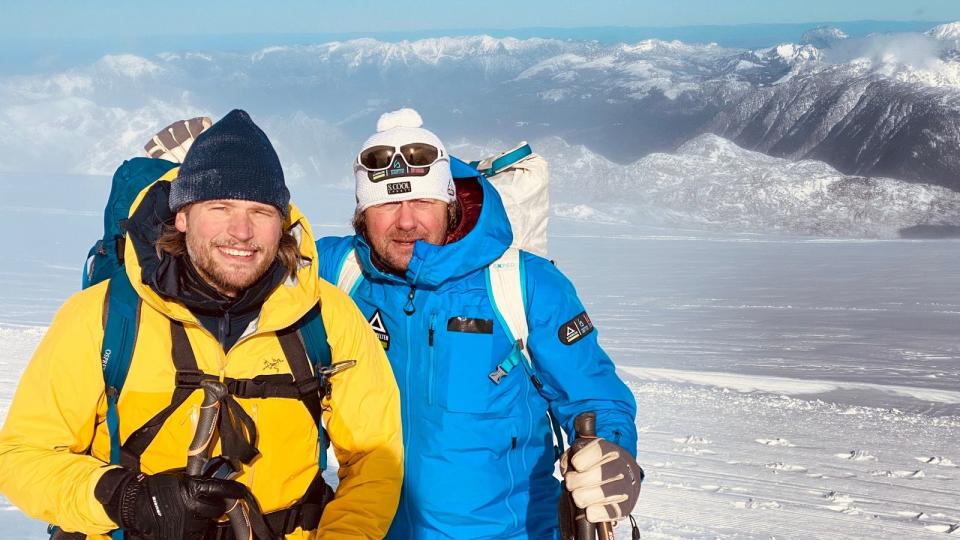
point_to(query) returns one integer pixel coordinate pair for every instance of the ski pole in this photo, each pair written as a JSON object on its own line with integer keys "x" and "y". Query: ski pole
{"x": 213, "y": 393}
{"x": 585, "y": 426}
{"x": 199, "y": 451}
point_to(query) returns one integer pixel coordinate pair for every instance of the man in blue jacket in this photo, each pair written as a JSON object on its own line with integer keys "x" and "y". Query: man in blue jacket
{"x": 479, "y": 455}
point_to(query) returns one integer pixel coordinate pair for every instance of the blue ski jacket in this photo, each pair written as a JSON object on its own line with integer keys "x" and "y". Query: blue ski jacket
{"x": 479, "y": 457}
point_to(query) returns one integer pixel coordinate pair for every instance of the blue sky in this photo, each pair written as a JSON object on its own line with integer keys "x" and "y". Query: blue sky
{"x": 100, "y": 18}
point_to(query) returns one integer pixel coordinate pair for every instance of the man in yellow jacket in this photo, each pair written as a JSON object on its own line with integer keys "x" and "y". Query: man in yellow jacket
{"x": 224, "y": 267}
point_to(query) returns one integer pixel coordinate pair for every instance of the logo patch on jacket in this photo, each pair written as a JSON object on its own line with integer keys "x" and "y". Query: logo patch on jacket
{"x": 470, "y": 326}
{"x": 376, "y": 323}
{"x": 575, "y": 329}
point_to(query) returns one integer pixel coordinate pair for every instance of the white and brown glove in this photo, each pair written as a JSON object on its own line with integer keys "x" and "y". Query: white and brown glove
{"x": 172, "y": 142}
{"x": 603, "y": 479}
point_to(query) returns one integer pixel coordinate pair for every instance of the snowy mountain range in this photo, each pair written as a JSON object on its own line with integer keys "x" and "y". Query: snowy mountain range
{"x": 711, "y": 183}
{"x": 885, "y": 105}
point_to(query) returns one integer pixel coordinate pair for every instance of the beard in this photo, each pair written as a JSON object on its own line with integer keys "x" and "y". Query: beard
{"x": 394, "y": 257}
{"x": 227, "y": 277}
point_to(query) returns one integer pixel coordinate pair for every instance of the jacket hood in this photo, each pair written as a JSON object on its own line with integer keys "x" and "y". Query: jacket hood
{"x": 151, "y": 274}
{"x": 432, "y": 265}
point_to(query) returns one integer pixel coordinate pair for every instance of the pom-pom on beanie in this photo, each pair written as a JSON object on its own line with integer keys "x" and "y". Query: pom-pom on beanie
{"x": 401, "y": 181}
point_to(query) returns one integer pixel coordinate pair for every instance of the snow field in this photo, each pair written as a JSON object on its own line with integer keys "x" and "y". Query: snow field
{"x": 727, "y": 464}
{"x": 727, "y": 459}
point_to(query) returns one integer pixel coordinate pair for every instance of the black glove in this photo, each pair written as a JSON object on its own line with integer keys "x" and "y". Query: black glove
{"x": 165, "y": 506}
{"x": 603, "y": 479}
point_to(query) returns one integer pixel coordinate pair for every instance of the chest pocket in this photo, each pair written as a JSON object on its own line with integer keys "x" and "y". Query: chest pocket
{"x": 467, "y": 347}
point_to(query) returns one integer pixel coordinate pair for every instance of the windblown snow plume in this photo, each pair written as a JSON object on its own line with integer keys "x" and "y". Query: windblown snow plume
{"x": 823, "y": 37}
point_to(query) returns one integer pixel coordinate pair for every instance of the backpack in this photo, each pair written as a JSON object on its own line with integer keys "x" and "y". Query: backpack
{"x": 304, "y": 344}
{"x": 106, "y": 255}
{"x": 521, "y": 179}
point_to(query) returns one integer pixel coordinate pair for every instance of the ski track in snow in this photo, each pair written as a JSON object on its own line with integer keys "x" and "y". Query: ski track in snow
{"x": 799, "y": 487}
{"x": 782, "y": 385}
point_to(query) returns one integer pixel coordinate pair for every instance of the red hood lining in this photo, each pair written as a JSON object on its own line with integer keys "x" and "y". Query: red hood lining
{"x": 470, "y": 196}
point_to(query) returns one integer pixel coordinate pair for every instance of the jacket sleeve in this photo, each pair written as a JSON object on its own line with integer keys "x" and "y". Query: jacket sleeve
{"x": 364, "y": 427}
{"x": 44, "y": 466}
{"x": 577, "y": 374}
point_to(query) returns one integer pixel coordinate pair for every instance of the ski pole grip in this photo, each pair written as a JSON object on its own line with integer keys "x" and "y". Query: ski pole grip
{"x": 199, "y": 451}
{"x": 585, "y": 425}
{"x": 585, "y": 428}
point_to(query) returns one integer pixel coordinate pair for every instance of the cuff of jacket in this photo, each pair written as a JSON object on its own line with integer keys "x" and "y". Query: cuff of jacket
{"x": 109, "y": 492}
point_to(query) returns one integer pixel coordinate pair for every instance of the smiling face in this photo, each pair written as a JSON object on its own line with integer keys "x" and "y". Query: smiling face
{"x": 392, "y": 228}
{"x": 231, "y": 242}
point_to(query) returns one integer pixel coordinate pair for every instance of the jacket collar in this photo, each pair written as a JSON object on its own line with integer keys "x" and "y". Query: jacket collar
{"x": 160, "y": 280}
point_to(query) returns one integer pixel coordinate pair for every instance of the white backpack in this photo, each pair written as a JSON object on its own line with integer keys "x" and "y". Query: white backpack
{"x": 521, "y": 178}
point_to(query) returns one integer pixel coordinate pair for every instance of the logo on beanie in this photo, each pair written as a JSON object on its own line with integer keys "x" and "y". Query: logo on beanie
{"x": 397, "y": 188}
{"x": 398, "y": 168}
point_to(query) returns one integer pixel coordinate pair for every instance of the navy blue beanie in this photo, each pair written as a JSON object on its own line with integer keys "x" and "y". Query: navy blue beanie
{"x": 233, "y": 159}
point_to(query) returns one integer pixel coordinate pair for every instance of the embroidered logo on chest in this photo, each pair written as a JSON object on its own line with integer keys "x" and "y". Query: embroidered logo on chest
{"x": 272, "y": 365}
{"x": 376, "y": 323}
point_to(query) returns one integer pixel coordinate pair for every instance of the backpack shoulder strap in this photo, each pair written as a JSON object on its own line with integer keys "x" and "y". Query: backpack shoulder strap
{"x": 506, "y": 287}
{"x": 120, "y": 320}
{"x": 492, "y": 166}
{"x": 314, "y": 335}
{"x": 316, "y": 352}
{"x": 349, "y": 272}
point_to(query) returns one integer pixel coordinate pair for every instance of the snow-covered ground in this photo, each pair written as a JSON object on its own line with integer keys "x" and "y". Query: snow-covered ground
{"x": 787, "y": 387}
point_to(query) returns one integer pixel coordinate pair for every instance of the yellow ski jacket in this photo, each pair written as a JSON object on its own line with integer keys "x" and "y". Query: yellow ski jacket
{"x": 54, "y": 446}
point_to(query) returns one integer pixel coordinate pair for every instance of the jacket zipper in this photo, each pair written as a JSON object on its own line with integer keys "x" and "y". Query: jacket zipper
{"x": 407, "y": 404}
{"x": 223, "y": 326}
{"x": 506, "y": 500}
{"x": 431, "y": 374}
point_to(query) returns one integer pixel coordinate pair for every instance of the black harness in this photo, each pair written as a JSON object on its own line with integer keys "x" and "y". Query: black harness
{"x": 238, "y": 433}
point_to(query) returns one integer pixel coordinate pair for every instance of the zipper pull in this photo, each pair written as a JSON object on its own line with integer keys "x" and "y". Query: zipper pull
{"x": 409, "y": 308}
{"x": 430, "y": 331}
{"x": 224, "y": 328}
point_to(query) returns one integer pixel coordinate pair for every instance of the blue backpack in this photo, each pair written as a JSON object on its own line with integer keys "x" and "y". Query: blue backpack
{"x": 106, "y": 256}
{"x": 121, "y": 319}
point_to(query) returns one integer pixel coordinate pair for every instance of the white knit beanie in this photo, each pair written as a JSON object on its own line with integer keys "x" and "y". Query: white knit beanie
{"x": 403, "y": 183}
